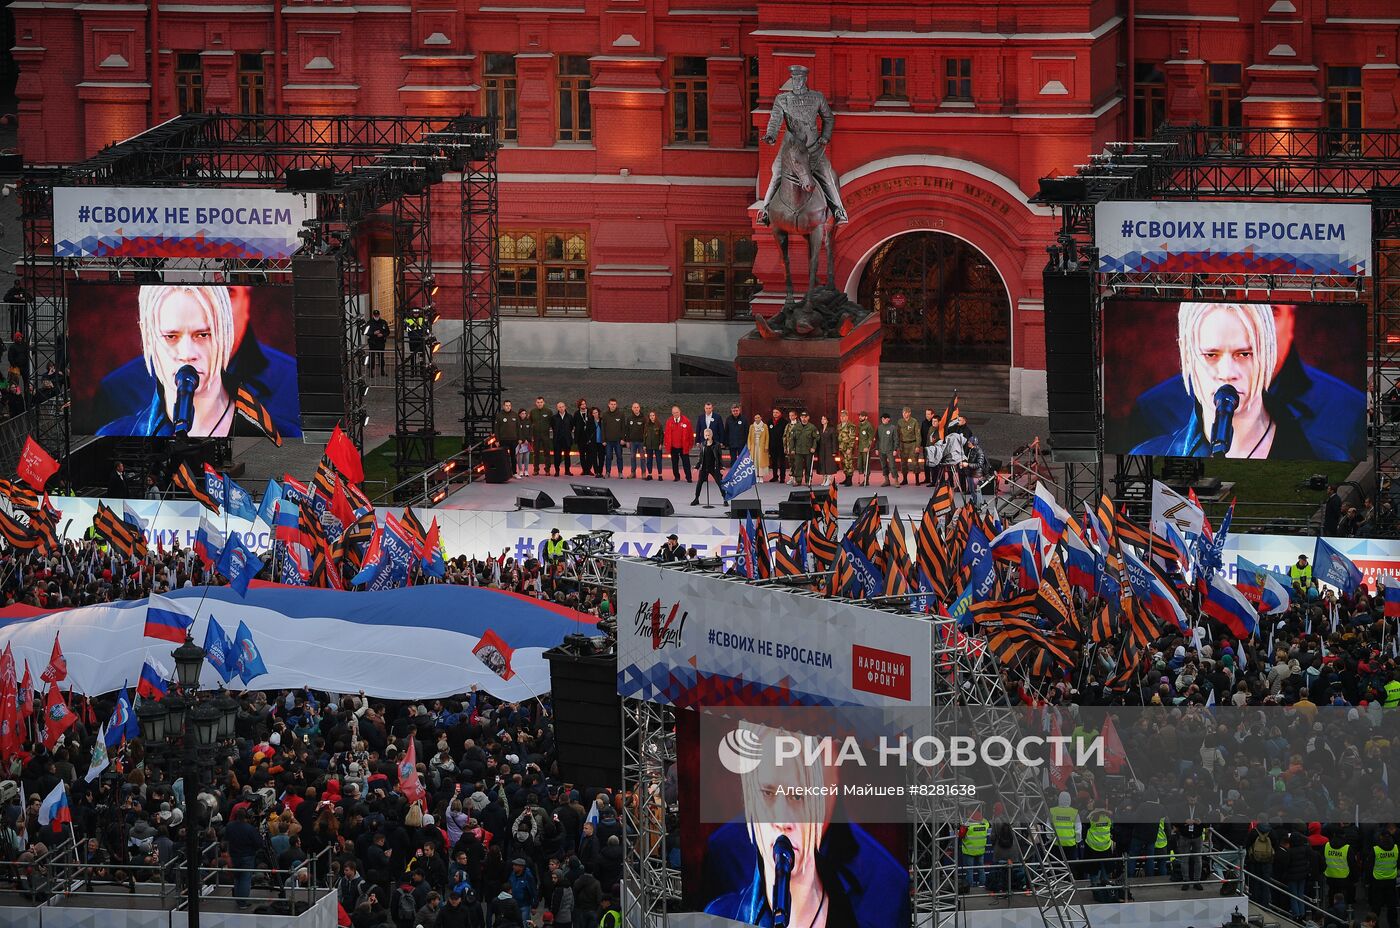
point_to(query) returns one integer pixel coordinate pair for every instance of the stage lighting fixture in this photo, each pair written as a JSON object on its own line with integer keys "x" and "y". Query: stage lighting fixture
{"x": 437, "y": 374}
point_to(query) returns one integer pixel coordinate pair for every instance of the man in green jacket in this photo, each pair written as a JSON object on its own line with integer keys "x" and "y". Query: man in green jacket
{"x": 614, "y": 431}
{"x": 908, "y": 429}
{"x": 540, "y": 437}
{"x": 803, "y": 436}
{"x": 507, "y": 428}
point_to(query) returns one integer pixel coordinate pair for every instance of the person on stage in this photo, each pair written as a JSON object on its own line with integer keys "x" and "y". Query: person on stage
{"x": 1286, "y": 409}
{"x": 194, "y": 326}
{"x": 709, "y": 464}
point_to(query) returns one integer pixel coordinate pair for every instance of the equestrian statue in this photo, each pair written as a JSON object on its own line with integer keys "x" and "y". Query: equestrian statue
{"x": 804, "y": 198}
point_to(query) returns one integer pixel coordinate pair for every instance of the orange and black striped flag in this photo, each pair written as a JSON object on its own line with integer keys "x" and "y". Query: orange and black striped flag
{"x": 950, "y": 412}
{"x": 821, "y": 544}
{"x": 897, "y": 578}
{"x": 356, "y": 535}
{"x": 865, "y": 532}
{"x": 843, "y": 575}
{"x": 44, "y": 523}
{"x": 1108, "y": 518}
{"x": 18, "y": 493}
{"x": 896, "y": 549}
{"x": 248, "y": 406}
{"x": 1143, "y": 626}
{"x": 1130, "y": 532}
{"x": 16, "y": 534}
{"x": 1101, "y": 629}
{"x": 1020, "y": 643}
{"x": 763, "y": 557}
{"x": 941, "y": 503}
{"x": 930, "y": 557}
{"x": 785, "y": 555}
{"x": 126, "y": 539}
{"x": 323, "y": 482}
{"x": 195, "y": 487}
{"x": 1001, "y": 610}
{"x": 1053, "y": 599}
{"x": 358, "y": 500}
{"x": 413, "y": 530}
{"x": 1129, "y": 660}
{"x": 957, "y": 539}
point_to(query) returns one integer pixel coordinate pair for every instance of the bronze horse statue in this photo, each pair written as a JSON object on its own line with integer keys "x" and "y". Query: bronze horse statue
{"x": 799, "y": 207}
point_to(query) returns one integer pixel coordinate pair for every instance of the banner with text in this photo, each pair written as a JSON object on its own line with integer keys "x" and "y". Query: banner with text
{"x": 169, "y": 222}
{"x": 692, "y": 639}
{"x": 1233, "y": 238}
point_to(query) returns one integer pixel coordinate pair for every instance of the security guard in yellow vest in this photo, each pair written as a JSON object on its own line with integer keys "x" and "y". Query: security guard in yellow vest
{"x": 1385, "y": 866}
{"x": 1064, "y": 819}
{"x": 1159, "y": 862}
{"x": 1336, "y": 869}
{"x": 1098, "y": 844}
{"x": 554, "y": 546}
{"x": 1392, "y": 694}
{"x": 974, "y": 847}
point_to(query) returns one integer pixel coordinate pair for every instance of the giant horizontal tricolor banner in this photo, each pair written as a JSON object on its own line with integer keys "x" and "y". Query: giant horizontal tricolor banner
{"x": 177, "y": 222}
{"x": 420, "y": 642}
{"x": 1155, "y": 237}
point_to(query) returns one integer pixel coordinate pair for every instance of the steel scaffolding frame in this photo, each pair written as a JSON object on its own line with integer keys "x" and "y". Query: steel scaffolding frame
{"x": 481, "y": 328}
{"x": 376, "y": 161}
{"x": 1266, "y": 163}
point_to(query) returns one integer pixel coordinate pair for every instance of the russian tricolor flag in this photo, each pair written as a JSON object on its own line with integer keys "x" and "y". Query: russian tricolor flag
{"x": 154, "y": 682}
{"x": 167, "y": 620}
{"x": 1080, "y": 563}
{"x": 1008, "y": 545}
{"x": 1048, "y": 513}
{"x": 1261, "y": 587}
{"x": 55, "y": 810}
{"x": 208, "y": 543}
{"x": 286, "y": 522}
{"x": 1225, "y": 603}
{"x": 1392, "y": 602}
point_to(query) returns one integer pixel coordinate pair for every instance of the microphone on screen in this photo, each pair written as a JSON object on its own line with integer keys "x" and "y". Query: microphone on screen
{"x": 782, "y": 881}
{"x": 186, "y": 382}
{"x": 1222, "y": 433}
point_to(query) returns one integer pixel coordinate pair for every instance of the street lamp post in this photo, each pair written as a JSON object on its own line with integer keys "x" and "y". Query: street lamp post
{"x": 200, "y": 724}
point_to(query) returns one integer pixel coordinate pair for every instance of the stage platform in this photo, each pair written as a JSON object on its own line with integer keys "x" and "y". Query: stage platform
{"x": 502, "y": 497}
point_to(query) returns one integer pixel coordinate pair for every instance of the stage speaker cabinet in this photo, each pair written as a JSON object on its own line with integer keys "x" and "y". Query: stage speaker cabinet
{"x": 739, "y": 508}
{"x": 499, "y": 465}
{"x": 863, "y": 501}
{"x": 310, "y": 178}
{"x": 586, "y": 505}
{"x": 534, "y": 499}
{"x": 587, "y": 717}
{"x": 1070, "y": 363}
{"x": 317, "y": 320}
{"x": 795, "y": 509}
{"x": 655, "y": 506}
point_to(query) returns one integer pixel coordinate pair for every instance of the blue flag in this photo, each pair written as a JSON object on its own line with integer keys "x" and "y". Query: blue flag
{"x": 291, "y": 568}
{"x": 238, "y": 502}
{"x": 214, "y": 484}
{"x": 238, "y": 564}
{"x": 218, "y": 650}
{"x": 247, "y": 659}
{"x": 388, "y": 560}
{"x": 1334, "y": 567}
{"x": 977, "y": 554}
{"x": 741, "y": 476}
{"x": 123, "y": 725}
{"x": 271, "y": 497}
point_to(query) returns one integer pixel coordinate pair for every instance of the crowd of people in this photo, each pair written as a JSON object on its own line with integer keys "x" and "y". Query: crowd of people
{"x": 792, "y": 446}
{"x": 502, "y": 839}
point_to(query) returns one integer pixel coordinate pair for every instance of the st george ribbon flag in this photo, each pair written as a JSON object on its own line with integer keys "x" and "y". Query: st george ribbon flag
{"x": 741, "y": 476}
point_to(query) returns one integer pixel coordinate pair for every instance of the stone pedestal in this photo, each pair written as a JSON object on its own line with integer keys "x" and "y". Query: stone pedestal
{"x": 822, "y": 375}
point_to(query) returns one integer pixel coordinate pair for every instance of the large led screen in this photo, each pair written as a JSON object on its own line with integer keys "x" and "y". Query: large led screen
{"x": 838, "y": 873}
{"x": 143, "y": 358}
{"x": 1235, "y": 380}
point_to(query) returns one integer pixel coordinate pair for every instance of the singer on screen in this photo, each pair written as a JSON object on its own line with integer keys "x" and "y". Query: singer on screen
{"x": 197, "y": 348}
{"x": 790, "y": 865}
{"x": 1229, "y": 363}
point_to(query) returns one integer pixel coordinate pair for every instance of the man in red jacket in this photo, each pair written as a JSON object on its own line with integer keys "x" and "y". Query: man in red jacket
{"x": 678, "y": 436}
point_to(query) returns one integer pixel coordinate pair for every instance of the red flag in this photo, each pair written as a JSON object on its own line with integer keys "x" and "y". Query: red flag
{"x": 1114, "y": 757}
{"x": 36, "y": 466}
{"x": 495, "y": 654}
{"x": 409, "y": 783}
{"x": 26, "y": 692}
{"x": 10, "y": 736}
{"x": 345, "y": 456}
{"x": 58, "y": 718}
{"x": 340, "y": 505}
{"x": 431, "y": 541}
{"x": 57, "y": 671}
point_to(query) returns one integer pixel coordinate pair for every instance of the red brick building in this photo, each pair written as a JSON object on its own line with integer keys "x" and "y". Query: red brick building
{"x": 631, "y": 163}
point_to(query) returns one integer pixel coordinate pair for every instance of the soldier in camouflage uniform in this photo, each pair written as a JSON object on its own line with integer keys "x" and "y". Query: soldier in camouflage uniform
{"x": 865, "y": 444}
{"x": 787, "y": 443}
{"x": 804, "y": 437}
{"x": 846, "y": 435}
{"x": 908, "y": 429}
